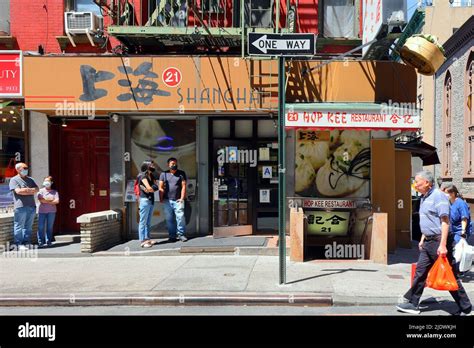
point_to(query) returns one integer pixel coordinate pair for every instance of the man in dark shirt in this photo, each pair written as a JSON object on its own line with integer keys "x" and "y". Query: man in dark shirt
{"x": 172, "y": 188}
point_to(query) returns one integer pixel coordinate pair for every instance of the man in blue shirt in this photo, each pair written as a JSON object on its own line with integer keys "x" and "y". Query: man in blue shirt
{"x": 434, "y": 226}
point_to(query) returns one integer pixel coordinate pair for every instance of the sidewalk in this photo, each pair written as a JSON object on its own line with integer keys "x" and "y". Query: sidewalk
{"x": 206, "y": 279}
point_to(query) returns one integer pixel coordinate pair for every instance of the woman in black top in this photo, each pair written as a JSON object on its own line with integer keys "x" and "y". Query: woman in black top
{"x": 146, "y": 182}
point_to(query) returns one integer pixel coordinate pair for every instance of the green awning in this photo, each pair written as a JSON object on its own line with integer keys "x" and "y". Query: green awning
{"x": 5, "y": 104}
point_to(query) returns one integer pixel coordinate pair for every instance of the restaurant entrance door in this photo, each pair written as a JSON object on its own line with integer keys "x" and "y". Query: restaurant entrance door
{"x": 234, "y": 164}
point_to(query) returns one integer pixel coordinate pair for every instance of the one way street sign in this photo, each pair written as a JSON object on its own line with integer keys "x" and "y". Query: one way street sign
{"x": 284, "y": 44}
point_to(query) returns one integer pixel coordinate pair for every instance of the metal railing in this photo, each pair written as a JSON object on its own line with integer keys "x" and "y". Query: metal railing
{"x": 197, "y": 13}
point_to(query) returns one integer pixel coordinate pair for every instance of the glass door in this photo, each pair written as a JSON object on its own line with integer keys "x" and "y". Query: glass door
{"x": 233, "y": 165}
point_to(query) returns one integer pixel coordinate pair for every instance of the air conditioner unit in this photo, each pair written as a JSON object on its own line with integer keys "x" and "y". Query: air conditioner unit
{"x": 82, "y": 23}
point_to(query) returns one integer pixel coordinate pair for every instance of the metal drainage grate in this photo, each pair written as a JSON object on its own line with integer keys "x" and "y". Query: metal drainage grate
{"x": 395, "y": 276}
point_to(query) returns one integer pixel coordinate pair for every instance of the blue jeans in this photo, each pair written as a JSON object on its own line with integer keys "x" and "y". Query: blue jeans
{"x": 146, "y": 213}
{"x": 48, "y": 220}
{"x": 23, "y": 225}
{"x": 175, "y": 221}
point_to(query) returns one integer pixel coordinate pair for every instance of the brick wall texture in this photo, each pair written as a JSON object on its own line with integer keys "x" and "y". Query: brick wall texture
{"x": 101, "y": 235}
{"x": 6, "y": 230}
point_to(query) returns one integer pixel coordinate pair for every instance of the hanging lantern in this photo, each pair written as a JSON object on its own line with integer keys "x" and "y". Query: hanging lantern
{"x": 424, "y": 53}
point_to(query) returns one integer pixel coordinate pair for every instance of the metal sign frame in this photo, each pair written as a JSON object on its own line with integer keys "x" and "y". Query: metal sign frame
{"x": 308, "y": 36}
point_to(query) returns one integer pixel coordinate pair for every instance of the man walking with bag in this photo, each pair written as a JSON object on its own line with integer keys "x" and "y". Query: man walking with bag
{"x": 435, "y": 242}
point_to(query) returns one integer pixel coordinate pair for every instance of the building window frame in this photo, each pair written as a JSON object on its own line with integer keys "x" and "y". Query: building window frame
{"x": 72, "y": 5}
{"x": 447, "y": 119}
{"x": 322, "y": 17}
{"x": 469, "y": 119}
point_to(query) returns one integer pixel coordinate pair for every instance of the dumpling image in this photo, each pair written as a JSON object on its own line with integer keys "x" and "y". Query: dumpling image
{"x": 345, "y": 174}
{"x": 315, "y": 152}
{"x": 346, "y": 153}
{"x": 147, "y": 132}
{"x": 360, "y": 138}
{"x": 304, "y": 174}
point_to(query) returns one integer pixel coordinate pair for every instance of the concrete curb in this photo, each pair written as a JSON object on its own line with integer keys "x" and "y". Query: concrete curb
{"x": 238, "y": 251}
{"x": 215, "y": 299}
{"x": 343, "y": 301}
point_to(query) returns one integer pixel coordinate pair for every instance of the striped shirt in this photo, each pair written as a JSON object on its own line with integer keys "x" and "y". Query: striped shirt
{"x": 434, "y": 205}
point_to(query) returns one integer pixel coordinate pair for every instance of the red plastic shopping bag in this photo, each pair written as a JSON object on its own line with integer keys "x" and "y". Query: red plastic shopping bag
{"x": 441, "y": 276}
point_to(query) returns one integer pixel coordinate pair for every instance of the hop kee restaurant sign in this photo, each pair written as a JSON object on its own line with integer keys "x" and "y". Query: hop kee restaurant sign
{"x": 352, "y": 116}
{"x": 11, "y": 67}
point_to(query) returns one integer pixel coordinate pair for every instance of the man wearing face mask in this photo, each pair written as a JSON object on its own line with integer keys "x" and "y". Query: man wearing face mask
{"x": 23, "y": 188}
{"x": 172, "y": 188}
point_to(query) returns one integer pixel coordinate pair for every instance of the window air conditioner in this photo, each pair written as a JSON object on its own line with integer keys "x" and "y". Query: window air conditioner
{"x": 82, "y": 23}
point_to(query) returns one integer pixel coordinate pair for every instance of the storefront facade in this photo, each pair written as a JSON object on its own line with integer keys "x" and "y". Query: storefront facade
{"x": 217, "y": 116}
{"x": 210, "y": 113}
{"x": 342, "y": 166}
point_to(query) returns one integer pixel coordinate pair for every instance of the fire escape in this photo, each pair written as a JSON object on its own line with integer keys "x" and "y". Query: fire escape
{"x": 195, "y": 26}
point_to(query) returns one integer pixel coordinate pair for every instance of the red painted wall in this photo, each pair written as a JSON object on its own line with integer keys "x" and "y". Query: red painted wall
{"x": 39, "y": 22}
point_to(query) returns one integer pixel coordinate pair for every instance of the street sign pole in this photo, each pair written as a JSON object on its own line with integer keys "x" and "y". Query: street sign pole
{"x": 281, "y": 169}
{"x": 281, "y": 45}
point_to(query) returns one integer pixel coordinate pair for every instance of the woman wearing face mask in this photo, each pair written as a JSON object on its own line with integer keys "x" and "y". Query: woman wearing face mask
{"x": 146, "y": 181}
{"x": 460, "y": 215}
{"x": 48, "y": 198}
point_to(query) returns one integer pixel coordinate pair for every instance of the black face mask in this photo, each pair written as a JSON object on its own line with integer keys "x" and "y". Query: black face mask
{"x": 174, "y": 167}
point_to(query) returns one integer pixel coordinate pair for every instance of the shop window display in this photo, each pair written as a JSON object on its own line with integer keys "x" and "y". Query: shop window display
{"x": 332, "y": 164}
{"x": 159, "y": 140}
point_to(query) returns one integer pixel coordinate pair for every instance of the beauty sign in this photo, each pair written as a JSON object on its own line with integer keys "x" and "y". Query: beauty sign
{"x": 11, "y": 68}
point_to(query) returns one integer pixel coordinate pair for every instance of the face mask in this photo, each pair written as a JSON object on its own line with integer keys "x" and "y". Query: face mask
{"x": 174, "y": 167}
{"x": 447, "y": 195}
{"x": 24, "y": 172}
{"x": 47, "y": 184}
{"x": 151, "y": 169}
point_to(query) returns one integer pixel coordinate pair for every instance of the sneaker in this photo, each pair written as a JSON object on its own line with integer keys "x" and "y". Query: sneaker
{"x": 172, "y": 240}
{"x": 463, "y": 314}
{"x": 408, "y": 308}
{"x": 403, "y": 299}
{"x": 183, "y": 239}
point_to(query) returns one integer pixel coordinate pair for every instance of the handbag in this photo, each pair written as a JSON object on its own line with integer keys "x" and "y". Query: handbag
{"x": 441, "y": 276}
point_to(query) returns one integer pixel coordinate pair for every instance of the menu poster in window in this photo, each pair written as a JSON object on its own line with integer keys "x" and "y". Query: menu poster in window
{"x": 264, "y": 154}
{"x": 264, "y": 196}
{"x": 129, "y": 191}
{"x": 332, "y": 163}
